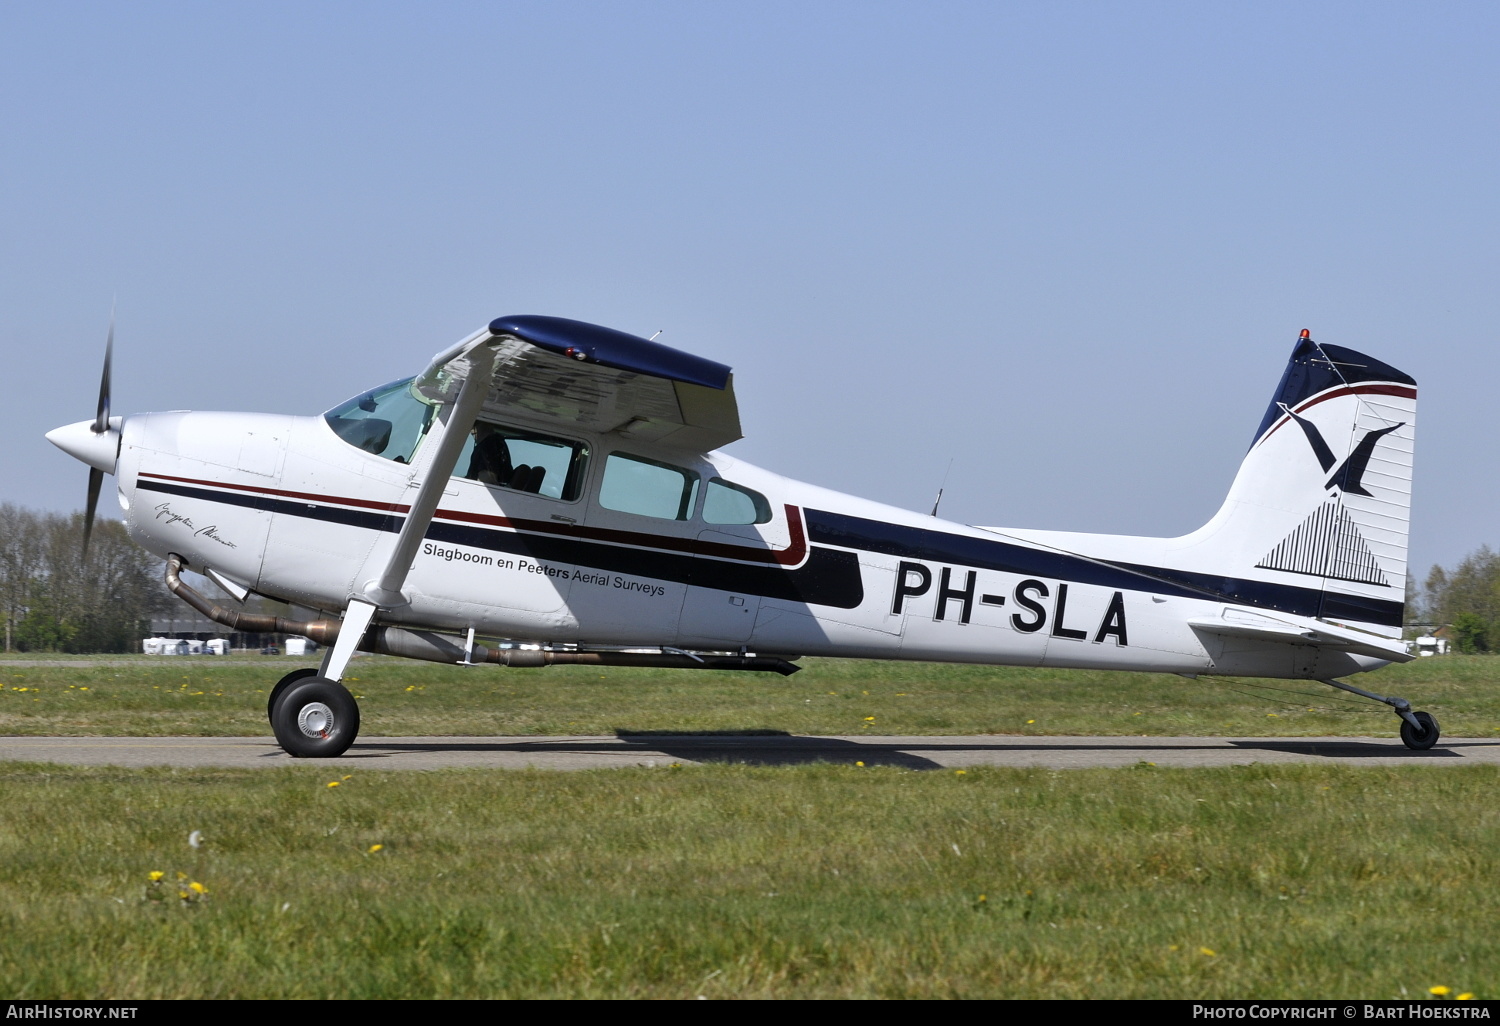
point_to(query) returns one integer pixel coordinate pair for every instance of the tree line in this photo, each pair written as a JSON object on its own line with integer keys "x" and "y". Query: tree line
{"x": 1466, "y": 599}
{"x": 56, "y": 599}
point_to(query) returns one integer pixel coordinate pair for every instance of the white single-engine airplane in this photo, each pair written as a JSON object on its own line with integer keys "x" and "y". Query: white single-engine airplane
{"x": 557, "y": 489}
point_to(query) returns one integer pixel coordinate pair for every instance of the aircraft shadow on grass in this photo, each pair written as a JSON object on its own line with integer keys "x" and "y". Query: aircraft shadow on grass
{"x": 762, "y": 748}
{"x": 1346, "y": 749}
{"x": 778, "y": 748}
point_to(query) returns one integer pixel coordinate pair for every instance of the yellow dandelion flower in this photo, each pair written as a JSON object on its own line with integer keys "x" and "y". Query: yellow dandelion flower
{"x": 156, "y": 875}
{"x": 1210, "y": 952}
{"x": 1438, "y": 991}
{"x": 333, "y": 783}
{"x": 869, "y": 719}
{"x": 197, "y": 888}
{"x": 374, "y": 848}
{"x": 859, "y": 764}
{"x": 348, "y": 776}
{"x": 1031, "y": 721}
{"x": 959, "y": 773}
{"x": 1465, "y": 996}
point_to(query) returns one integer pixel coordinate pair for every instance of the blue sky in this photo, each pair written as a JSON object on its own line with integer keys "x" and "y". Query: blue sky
{"x": 1065, "y": 246}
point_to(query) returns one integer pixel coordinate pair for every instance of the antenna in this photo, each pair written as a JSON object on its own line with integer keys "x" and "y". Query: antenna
{"x": 941, "y": 487}
{"x": 658, "y": 332}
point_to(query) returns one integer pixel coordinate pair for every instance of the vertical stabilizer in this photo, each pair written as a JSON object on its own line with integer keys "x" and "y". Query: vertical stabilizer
{"x": 1323, "y": 497}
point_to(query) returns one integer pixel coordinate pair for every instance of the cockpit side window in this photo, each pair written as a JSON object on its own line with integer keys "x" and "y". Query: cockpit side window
{"x": 389, "y": 421}
{"x": 523, "y": 460}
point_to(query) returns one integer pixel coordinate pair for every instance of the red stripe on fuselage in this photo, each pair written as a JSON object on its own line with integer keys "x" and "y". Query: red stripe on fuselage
{"x": 792, "y": 555}
{"x": 388, "y": 507}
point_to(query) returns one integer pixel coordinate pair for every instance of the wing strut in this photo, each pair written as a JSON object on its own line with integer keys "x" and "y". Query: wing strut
{"x": 385, "y": 591}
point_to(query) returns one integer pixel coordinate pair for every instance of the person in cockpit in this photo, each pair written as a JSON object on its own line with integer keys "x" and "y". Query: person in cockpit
{"x": 490, "y": 462}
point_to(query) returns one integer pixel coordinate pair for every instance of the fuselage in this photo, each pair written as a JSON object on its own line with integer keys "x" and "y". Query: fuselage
{"x": 747, "y": 560}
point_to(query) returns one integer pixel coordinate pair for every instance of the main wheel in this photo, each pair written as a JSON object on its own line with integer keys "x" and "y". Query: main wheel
{"x": 281, "y": 687}
{"x": 1426, "y": 738}
{"x": 316, "y": 719}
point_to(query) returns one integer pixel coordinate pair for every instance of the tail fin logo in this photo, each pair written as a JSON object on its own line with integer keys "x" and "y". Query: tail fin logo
{"x": 1327, "y": 544}
{"x": 1349, "y": 475}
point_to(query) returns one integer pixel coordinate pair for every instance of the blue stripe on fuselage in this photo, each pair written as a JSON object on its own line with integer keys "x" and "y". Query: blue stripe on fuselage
{"x": 1007, "y": 557}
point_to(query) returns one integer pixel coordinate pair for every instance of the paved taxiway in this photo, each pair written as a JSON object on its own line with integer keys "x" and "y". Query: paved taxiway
{"x": 571, "y": 753}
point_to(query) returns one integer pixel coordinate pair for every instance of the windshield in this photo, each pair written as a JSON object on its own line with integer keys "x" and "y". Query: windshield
{"x": 388, "y": 421}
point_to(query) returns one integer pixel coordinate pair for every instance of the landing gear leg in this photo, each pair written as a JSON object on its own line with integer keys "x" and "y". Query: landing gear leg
{"x": 312, "y": 714}
{"x": 336, "y": 659}
{"x": 1419, "y": 730}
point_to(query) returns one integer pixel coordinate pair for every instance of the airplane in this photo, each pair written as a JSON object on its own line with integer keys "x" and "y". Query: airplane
{"x": 548, "y": 491}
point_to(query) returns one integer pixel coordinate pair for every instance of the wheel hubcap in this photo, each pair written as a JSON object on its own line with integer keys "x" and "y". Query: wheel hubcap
{"x": 315, "y": 720}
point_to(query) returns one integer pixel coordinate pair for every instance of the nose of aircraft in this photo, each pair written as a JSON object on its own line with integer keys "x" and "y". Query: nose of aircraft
{"x": 79, "y": 441}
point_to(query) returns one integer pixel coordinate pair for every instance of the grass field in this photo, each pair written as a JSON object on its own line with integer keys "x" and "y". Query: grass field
{"x": 136, "y": 695}
{"x": 812, "y": 881}
{"x": 734, "y": 881}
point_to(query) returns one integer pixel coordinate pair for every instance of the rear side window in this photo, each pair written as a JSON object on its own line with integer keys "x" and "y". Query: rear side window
{"x": 725, "y": 503}
{"x": 634, "y": 484}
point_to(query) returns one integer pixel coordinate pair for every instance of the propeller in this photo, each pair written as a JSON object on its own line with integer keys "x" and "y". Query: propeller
{"x": 99, "y": 427}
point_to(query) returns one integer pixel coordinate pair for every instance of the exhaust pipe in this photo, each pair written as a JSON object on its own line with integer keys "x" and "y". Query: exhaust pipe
{"x": 446, "y": 648}
{"x": 324, "y": 632}
{"x": 437, "y": 647}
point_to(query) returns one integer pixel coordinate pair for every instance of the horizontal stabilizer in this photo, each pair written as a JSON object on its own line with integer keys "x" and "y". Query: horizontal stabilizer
{"x": 1257, "y": 627}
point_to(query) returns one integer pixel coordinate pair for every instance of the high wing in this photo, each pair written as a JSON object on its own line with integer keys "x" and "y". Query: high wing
{"x": 571, "y": 374}
{"x": 559, "y": 372}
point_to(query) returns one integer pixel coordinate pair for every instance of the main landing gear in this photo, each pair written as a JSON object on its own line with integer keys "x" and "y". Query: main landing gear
{"x": 312, "y": 717}
{"x": 316, "y": 724}
{"x": 1419, "y": 731}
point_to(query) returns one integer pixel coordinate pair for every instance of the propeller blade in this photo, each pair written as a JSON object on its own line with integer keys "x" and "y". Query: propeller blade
{"x": 96, "y": 479}
{"x": 101, "y": 419}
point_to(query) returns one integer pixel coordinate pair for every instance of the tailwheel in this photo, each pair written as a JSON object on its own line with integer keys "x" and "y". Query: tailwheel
{"x": 1419, "y": 740}
{"x": 1419, "y": 731}
{"x": 316, "y": 718}
{"x": 281, "y": 689}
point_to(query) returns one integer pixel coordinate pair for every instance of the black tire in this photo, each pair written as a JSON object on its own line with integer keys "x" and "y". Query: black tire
{"x": 1423, "y": 740}
{"x": 281, "y": 689}
{"x": 316, "y": 719}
